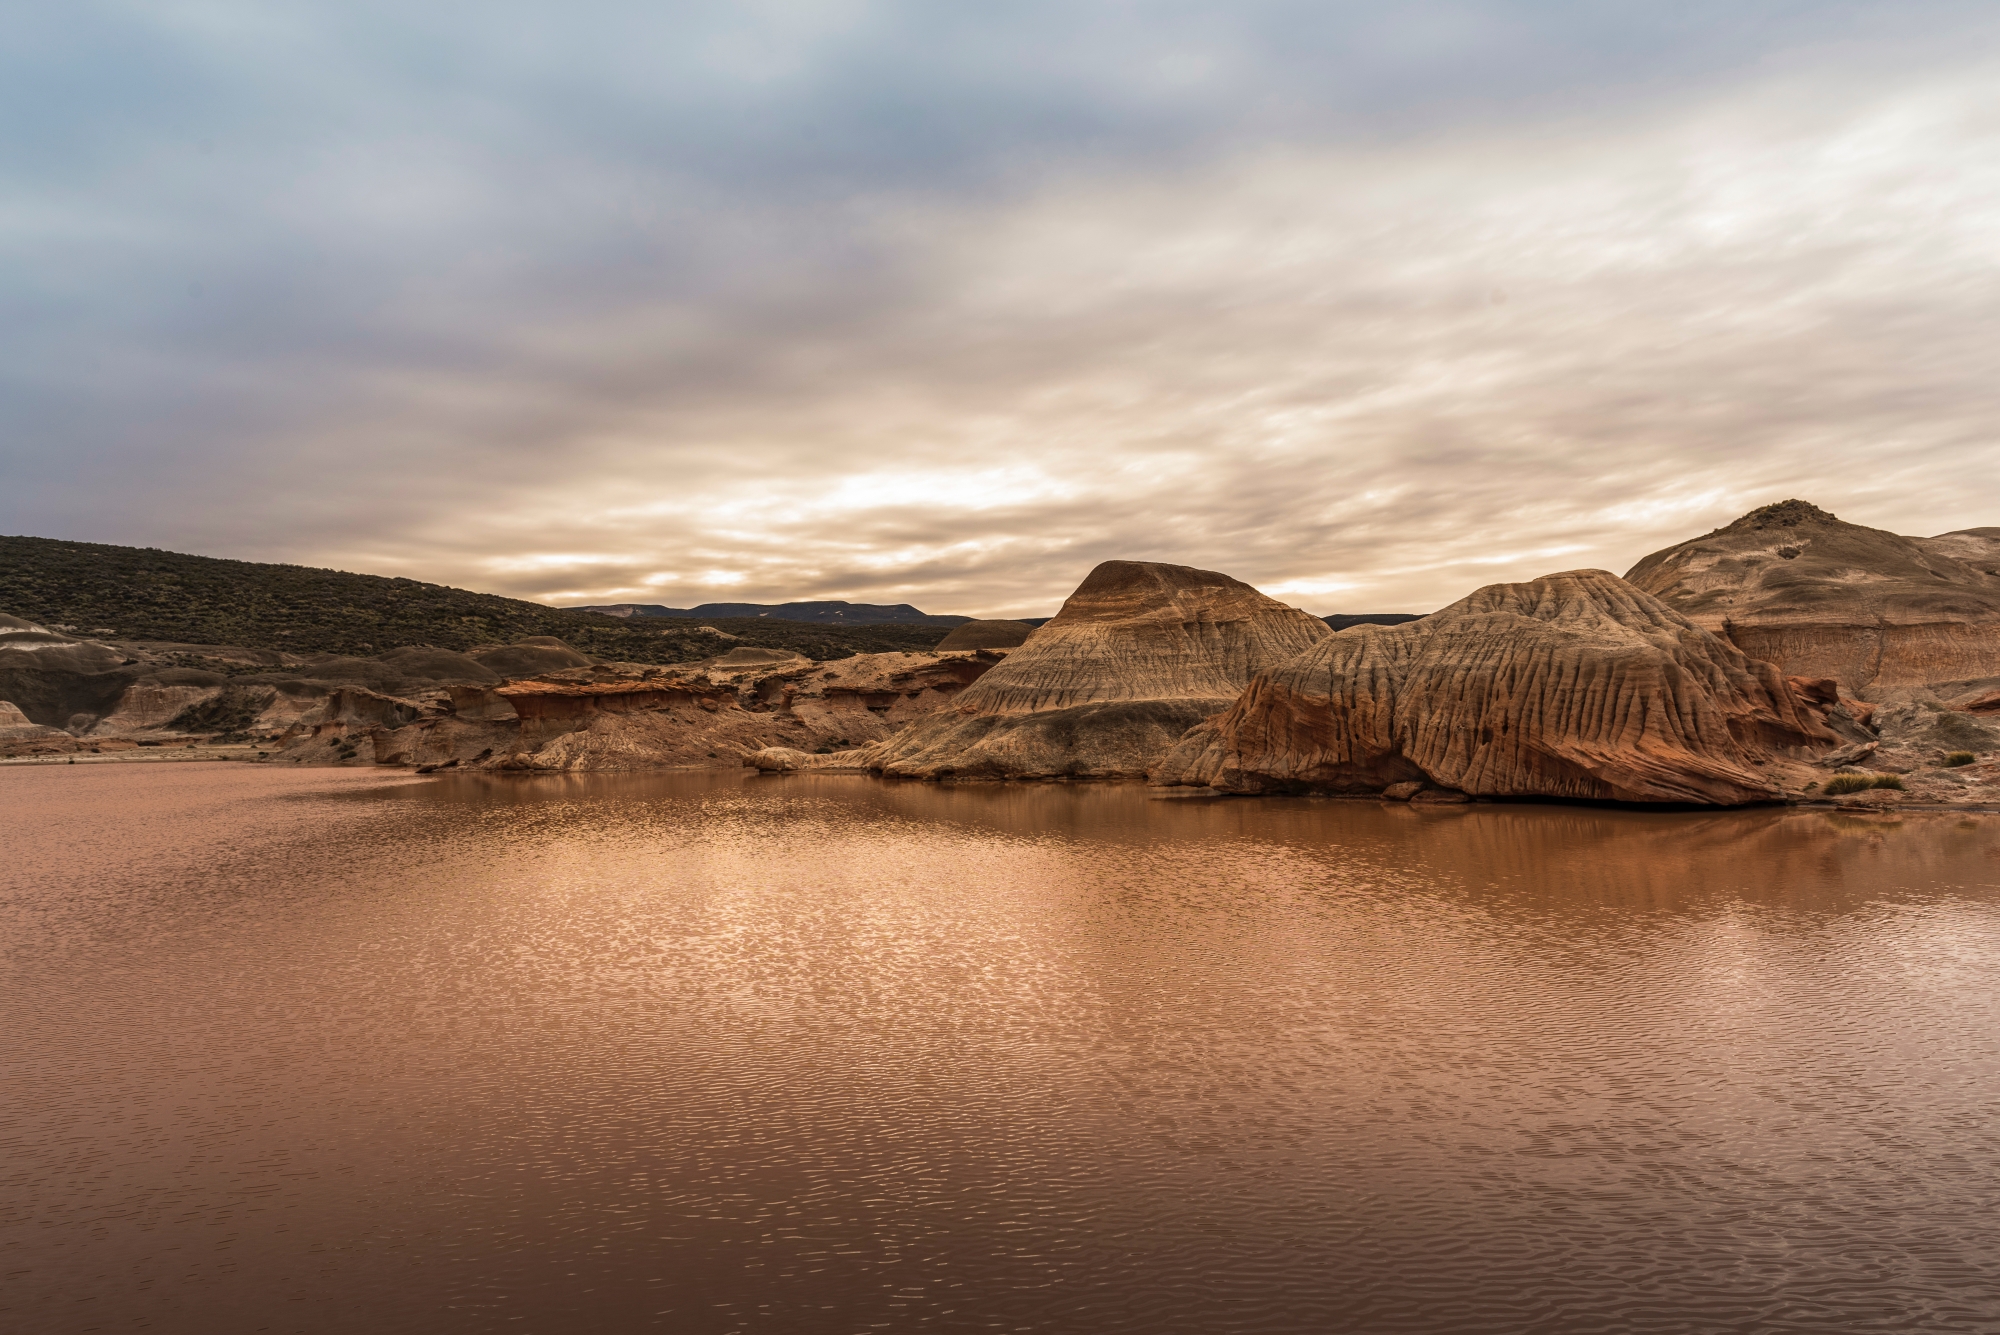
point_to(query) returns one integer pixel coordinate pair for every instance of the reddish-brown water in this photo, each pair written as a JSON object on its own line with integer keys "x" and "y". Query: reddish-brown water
{"x": 715, "y": 1053}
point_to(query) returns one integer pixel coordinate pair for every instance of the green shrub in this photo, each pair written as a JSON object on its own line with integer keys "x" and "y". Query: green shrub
{"x": 1957, "y": 758}
{"x": 1889, "y": 781}
{"x": 1848, "y": 783}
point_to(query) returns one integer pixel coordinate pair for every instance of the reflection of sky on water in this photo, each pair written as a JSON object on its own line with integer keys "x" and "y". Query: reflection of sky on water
{"x": 680, "y": 1050}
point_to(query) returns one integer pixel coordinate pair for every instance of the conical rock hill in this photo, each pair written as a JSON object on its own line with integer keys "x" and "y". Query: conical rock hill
{"x": 1140, "y": 653}
{"x": 1819, "y": 597}
{"x": 1576, "y": 685}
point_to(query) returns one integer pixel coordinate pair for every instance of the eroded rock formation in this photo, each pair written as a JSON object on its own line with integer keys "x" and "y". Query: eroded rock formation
{"x": 536, "y": 654}
{"x": 1795, "y": 586}
{"x": 56, "y": 680}
{"x": 1576, "y": 685}
{"x": 629, "y": 716}
{"x": 18, "y": 727}
{"x": 538, "y": 704}
{"x": 987, "y": 635}
{"x": 1140, "y": 653}
{"x": 114, "y": 696}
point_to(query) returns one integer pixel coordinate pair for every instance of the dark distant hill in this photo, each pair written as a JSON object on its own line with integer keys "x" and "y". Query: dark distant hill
{"x": 818, "y": 614}
{"x": 141, "y": 593}
{"x": 1342, "y": 620}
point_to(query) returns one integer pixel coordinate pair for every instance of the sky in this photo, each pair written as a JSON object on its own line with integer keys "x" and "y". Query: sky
{"x": 1368, "y": 305}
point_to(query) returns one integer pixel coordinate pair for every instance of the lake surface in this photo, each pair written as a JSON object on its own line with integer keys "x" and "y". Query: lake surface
{"x": 717, "y": 1053}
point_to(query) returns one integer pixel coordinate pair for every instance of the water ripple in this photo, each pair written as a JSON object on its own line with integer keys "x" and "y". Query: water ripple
{"x": 711, "y": 1053}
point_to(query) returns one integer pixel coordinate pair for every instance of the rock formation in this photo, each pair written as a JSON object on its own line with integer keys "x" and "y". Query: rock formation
{"x": 1139, "y": 653}
{"x": 1975, "y": 547}
{"x": 987, "y": 635}
{"x": 18, "y": 727}
{"x": 1576, "y": 685}
{"x": 56, "y": 680}
{"x": 630, "y": 716}
{"x": 1791, "y": 584}
{"x": 536, "y": 654}
{"x": 534, "y": 705}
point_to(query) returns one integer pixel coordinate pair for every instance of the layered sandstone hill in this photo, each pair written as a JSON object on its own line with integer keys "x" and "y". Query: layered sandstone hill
{"x": 18, "y": 727}
{"x": 1879, "y": 613}
{"x": 1975, "y": 547}
{"x": 988, "y": 635}
{"x": 1576, "y": 685}
{"x": 1139, "y": 653}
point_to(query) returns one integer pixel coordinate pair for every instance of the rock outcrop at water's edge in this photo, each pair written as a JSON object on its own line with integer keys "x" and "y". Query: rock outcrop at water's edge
{"x": 533, "y": 705}
{"x": 1140, "y": 653}
{"x": 1879, "y": 613}
{"x": 1576, "y": 685}
{"x": 629, "y": 716}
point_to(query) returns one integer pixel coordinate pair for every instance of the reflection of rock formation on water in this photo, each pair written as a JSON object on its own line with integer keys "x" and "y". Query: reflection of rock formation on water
{"x": 1140, "y": 653}
{"x": 1791, "y": 584}
{"x": 1575, "y": 685}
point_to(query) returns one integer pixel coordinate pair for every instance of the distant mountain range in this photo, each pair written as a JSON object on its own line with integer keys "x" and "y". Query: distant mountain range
{"x": 816, "y": 614}
{"x": 898, "y": 614}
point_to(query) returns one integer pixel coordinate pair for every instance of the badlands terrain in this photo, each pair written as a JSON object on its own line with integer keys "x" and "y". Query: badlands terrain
{"x": 1786, "y": 657}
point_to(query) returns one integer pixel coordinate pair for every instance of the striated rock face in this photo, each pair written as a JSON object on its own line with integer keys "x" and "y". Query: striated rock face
{"x": 1793, "y": 585}
{"x": 987, "y": 635}
{"x": 1576, "y": 685}
{"x": 18, "y": 727}
{"x": 1140, "y": 653}
{"x": 156, "y": 700}
{"x": 1138, "y": 630}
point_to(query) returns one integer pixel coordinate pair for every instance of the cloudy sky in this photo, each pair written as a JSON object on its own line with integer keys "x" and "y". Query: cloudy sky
{"x": 1366, "y": 304}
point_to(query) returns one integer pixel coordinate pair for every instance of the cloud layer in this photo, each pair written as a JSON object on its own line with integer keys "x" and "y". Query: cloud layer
{"x": 855, "y": 300}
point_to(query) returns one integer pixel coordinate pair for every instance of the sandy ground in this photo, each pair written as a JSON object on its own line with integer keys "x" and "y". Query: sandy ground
{"x": 150, "y": 755}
